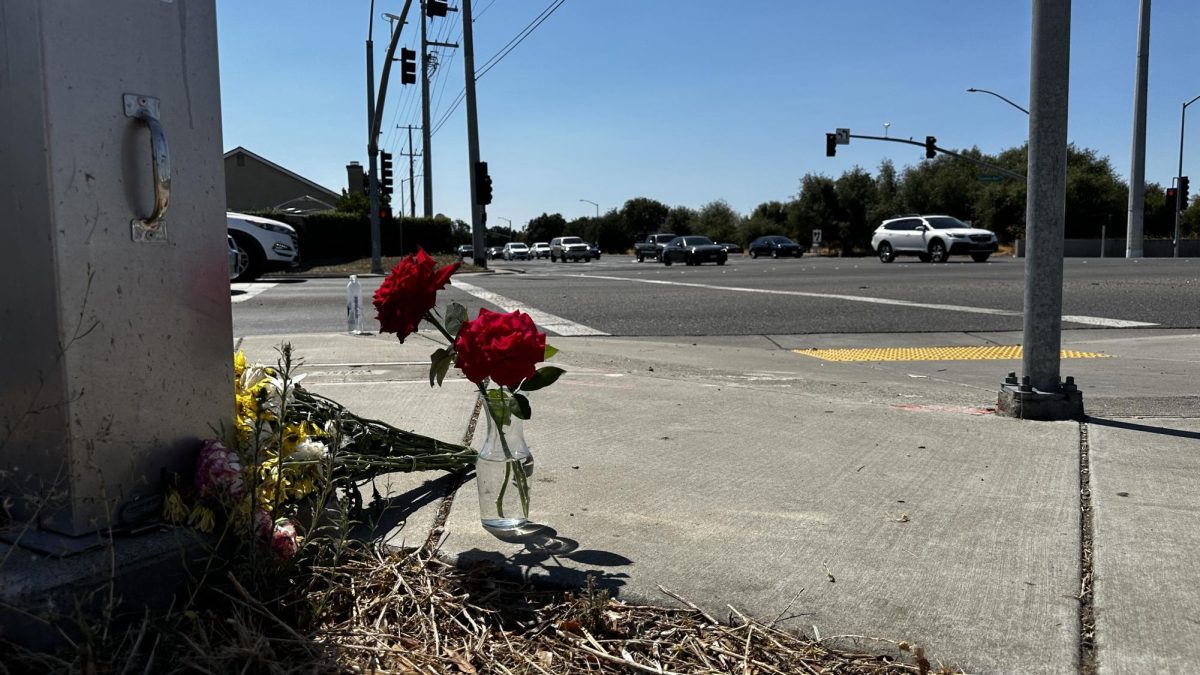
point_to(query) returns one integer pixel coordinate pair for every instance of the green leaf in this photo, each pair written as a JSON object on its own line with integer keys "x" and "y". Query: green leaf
{"x": 456, "y": 316}
{"x": 544, "y": 377}
{"x": 439, "y": 362}
{"x": 442, "y": 368}
{"x": 523, "y": 410}
{"x": 550, "y": 352}
{"x": 498, "y": 403}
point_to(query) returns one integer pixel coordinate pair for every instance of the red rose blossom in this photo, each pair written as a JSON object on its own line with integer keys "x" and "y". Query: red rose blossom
{"x": 408, "y": 292}
{"x": 503, "y": 347}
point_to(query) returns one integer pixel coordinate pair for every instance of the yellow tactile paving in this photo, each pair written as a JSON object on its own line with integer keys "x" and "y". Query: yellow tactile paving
{"x": 978, "y": 353}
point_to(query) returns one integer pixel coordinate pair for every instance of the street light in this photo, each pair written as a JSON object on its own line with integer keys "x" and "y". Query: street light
{"x": 507, "y": 221}
{"x": 1178, "y": 192}
{"x": 593, "y": 204}
{"x": 985, "y": 91}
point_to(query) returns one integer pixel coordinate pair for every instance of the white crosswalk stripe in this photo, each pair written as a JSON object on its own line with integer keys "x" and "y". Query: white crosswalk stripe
{"x": 544, "y": 320}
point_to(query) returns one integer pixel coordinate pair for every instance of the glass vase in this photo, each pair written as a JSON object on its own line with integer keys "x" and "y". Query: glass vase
{"x": 504, "y": 465}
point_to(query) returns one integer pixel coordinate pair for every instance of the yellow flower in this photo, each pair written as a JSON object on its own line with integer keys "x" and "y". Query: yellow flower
{"x": 239, "y": 364}
{"x": 174, "y": 510}
{"x": 203, "y": 519}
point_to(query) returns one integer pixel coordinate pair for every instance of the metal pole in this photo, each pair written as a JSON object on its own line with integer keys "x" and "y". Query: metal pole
{"x": 1046, "y": 202}
{"x": 373, "y": 153}
{"x": 1137, "y": 172}
{"x": 478, "y": 213}
{"x": 426, "y": 153}
{"x": 412, "y": 185}
{"x": 1179, "y": 174}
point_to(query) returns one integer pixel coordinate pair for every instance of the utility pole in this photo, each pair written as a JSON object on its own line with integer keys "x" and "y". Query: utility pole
{"x": 426, "y": 154}
{"x": 412, "y": 186}
{"x": 373, "y": 150}
{"x": 1040, "y": 394}
{"x": 478, "y": 212}
{"x": 374, "y": 114}
{"x": 1137, "y": 172}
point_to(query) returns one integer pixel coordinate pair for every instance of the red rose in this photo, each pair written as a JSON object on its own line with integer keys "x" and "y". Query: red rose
{"x": 408, "y": 292}
{"x": 503, "y": 347}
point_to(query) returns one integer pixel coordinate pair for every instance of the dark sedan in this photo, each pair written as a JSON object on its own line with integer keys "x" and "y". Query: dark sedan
{"x": 775, "y": 246}
{"x": 693, "y": 251}
{"x": 730, "y": 247}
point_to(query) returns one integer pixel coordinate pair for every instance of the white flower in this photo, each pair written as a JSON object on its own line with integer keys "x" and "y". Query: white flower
{"x": 310, "y": 451}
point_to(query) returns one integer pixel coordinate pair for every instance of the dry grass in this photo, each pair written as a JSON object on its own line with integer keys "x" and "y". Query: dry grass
{"x": 373, "y": 609}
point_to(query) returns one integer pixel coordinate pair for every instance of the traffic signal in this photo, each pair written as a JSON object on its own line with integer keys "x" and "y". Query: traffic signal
{"x": 930, "y": 147}
{"x": 483, "y": 184}
{"x": 1172, "y": 195}
{"x": 1183, "y": 192}
{"x": 385, "y": 172}
{"x": 436, "y": 7}
{"x": 408, "y": 66}
{"x": 830, "y": 145}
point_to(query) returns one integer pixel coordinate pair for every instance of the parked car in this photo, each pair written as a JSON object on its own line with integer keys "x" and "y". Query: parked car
{"x": 572, "y": 248}
{"x": 495, "y": 252}
{"x": 693, "y": 250}
{"x": 465, "y": 251}
{"x": 264, "y": 245}
{"x": 516, "y": 250}
{"x": 776, "y": 246}
{"x": 540, "y": 249}
{"x": 235, "y": 257}
{"x": 730, "y": 247}
{"x": 653, "y": 246}
{"x": 931, "y": 238}
{"x": 595, "y": 251}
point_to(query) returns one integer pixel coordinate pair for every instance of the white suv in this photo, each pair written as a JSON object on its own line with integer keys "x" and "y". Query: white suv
{"x": 515, "y": 250}
{"x": 562, "y": 248}
{"x": 263, "y": 245}
{"x": 931, "y": 238}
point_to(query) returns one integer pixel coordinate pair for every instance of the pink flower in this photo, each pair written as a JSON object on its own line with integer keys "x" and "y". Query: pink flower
{"x": 278, "y": 536}
{"x": 283, "y": 539}
{"x": 219, "y": 472}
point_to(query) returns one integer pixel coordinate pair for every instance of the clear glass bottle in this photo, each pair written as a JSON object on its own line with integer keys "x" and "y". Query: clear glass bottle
{"x": 504, "y": 466}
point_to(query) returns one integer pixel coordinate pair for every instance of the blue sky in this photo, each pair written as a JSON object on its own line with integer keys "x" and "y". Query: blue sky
{"x": 688, "y": 101}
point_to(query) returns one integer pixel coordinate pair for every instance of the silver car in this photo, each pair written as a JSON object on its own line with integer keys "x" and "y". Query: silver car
{"x": 931, "y": 238}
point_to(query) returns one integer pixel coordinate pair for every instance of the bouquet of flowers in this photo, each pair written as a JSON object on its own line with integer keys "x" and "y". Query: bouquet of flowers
{"x": 289, "y": 445}
{"x": 492, "y": 349}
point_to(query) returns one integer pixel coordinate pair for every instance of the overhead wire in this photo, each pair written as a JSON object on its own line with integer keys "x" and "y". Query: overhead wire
{"x": 499, "y": 56}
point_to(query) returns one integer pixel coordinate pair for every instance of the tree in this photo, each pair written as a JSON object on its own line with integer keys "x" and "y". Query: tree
{"x": 641, "y": 216}
{"x": 888, "y": 203}
{"x": 766, "y": 218}
{"x": 815, "y": 207}
{"x": 855, "y": 197}
{"x": 546, "y": 227}
{"x": 718, "y": 221}
{"x": 680, "y": 220}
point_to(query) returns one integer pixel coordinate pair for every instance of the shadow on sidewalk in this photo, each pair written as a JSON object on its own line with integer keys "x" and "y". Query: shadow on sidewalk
{"x": 541, "y": 557}
{"x": 1130, "y": 426}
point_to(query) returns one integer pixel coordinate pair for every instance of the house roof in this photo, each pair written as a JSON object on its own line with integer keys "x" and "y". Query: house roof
{"x": 273, "y": 165}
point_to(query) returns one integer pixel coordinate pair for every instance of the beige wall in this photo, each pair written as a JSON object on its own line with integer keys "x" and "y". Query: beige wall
{"x": 255, "y": 185}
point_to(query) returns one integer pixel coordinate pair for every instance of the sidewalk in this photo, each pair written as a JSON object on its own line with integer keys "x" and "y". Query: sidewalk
{"x": 867, "y": 499}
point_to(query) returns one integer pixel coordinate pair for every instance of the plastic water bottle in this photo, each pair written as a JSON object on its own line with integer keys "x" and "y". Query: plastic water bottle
{"x": 353, "y": 306}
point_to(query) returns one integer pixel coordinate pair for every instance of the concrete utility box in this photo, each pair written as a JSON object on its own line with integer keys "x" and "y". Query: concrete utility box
{"x": 115, "y": 330}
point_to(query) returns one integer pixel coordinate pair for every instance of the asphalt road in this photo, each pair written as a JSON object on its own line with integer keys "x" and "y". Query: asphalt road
{"x": 617, "y": 296}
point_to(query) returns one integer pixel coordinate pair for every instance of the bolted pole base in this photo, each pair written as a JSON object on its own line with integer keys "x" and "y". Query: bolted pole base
{"x": 1020, "y": 400}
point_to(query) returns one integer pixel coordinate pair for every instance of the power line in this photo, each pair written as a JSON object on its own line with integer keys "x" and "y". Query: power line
{"x": 499, "y": 56}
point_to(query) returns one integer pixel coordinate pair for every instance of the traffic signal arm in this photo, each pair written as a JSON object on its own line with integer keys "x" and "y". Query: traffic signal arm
{"x": 927, "y": 145}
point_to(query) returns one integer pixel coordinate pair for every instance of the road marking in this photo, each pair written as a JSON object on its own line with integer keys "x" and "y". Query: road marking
{"x": 544, "y": 320}
{"x": 249, "y": 290}
{"x": 1090, "y": 320}
{"x": 976, "y": 353}
{"x": 1107, "y": 323}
